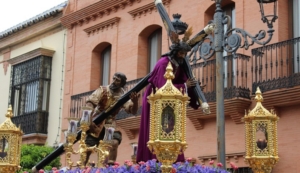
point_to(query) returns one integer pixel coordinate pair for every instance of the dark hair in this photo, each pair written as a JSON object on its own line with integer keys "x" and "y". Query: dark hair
{"x": 123, "y": 78}
{"x": 175, "y": 48}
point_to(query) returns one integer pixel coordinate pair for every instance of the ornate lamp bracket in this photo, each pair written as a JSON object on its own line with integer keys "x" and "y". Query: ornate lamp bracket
{"x": 233, "y": 39}
{"x": 205, "y": 49}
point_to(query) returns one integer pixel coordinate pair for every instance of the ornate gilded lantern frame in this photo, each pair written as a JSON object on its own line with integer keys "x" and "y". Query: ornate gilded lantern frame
{"x": 10, "y": 144}
{"x": 167, "y": 137}
{"x": 261, "y": 137}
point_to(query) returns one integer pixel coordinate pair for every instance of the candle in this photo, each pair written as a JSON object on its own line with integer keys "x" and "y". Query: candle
{"x": 109, "y": 132}
{"x": 72, "y": 126}
{"x": 86, "y": 116}
{"x": 134, "y": 147}
{"x": 66, "y": 136}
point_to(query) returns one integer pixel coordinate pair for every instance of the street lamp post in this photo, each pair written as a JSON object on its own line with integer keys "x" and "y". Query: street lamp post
{"x": 229, "y": 41}
{"x": 219, "y": 35}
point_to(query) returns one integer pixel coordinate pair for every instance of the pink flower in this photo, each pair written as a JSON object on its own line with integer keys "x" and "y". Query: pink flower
{"x": 88, "y": 170}
{"x": 173, "y": 170}
{"x": 41, "y": 171}
{"x": 141, "y": 162}
{"x": 128, "y": 163}
{"x": 137, "y": 167}
{"x": 117, "y": 163}
{"x": 54, "y": 169}
{"x": 220, "y": 165}
{"x": 189, "y": 159}
{"x": 231, "y": 164}
{"x": 148, "y": 168}
{"x": 211, "y": 162}
{"x": 115, "y": 166}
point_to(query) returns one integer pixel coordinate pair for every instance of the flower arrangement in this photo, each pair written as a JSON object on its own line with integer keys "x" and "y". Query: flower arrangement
{"x": 151, "y": 166}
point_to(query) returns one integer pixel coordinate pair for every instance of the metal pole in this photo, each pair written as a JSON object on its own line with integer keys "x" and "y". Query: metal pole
{"x": 218, "y": 39}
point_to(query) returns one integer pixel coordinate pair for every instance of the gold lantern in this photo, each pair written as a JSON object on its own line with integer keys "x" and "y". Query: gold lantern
{"x": 261, "y": 137}
{"x": 167, "y": 122}
{"x": 10, "y": 144}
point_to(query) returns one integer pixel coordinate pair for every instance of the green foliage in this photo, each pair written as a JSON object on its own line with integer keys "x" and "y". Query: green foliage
{"x": 32, "y": 154}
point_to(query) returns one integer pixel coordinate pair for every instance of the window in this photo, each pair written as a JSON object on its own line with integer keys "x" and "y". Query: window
{"x": 296, "y": 14}
{"x": 105, "y": 64}
{"x": 230, "y": 11}
{"x": 154, "y": 51}
{"x": 29, "y": 92}
{"x": 30, "y": 86}
{"x": 296, "y": 33}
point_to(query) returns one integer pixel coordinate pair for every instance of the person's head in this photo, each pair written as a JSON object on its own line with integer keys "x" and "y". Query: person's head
{"x": 119, "y": 80}
{"x": 179, "y": 51}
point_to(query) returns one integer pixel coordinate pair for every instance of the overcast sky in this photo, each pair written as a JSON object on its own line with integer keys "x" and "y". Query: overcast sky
{"x": 13, "y": 12}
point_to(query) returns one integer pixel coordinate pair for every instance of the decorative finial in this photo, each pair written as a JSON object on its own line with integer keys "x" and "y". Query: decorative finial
{"x": 9, "y": 113}
{"x": 169, "y": 72}
{"x": 258, "y": 95}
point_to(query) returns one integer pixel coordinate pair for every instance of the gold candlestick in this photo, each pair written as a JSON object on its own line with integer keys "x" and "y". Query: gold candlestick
{"x": 103, "y": 152}
{"x": 105, "y": 145}
{"x": 83, "y": 149}
{"x": 71, "y": 137}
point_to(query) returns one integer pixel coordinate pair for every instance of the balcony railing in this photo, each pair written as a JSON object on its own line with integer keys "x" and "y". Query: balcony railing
{"x": 235, "y": 77}
{"x": 78, "y": 101}
{"x": 276, "y": 66}
{"x": 35, "y": 122}
{"x": 235, "y": 82}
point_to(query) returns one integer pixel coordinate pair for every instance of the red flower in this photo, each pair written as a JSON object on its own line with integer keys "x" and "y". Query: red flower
{"x": 41, "y": 171}
{"x": 220, "y": 165}
{"x": 173, "y": 170}
{"x": 211, "y": 162}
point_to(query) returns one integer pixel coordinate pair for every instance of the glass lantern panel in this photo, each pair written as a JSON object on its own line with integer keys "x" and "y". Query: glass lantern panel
{"x": 109, "y": 132}
{"x": 261, "y": 136}
{"x": 3, "y": 147}
{"x": 134, "y": 148}
{"x": 86, "y": 116}
{"x": 168, "y": 119}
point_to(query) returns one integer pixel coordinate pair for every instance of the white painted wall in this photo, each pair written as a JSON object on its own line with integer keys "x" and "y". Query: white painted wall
{"x": 54, "y": 42}
{"x": 4, "y": 90}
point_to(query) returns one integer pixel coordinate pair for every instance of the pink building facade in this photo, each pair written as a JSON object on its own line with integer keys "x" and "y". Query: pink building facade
{"x": 104, "y": 37}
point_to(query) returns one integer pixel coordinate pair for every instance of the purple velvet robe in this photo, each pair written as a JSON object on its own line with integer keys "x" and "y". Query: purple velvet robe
{"x": 157, "y": 80}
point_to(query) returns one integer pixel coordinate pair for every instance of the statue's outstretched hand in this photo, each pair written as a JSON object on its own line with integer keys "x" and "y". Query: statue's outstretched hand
{"x": 134, "y": 97}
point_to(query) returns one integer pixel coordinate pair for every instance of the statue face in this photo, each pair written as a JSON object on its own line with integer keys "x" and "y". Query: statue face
{"x": 116, "y": 84}
{"x": 180, "y": 56}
